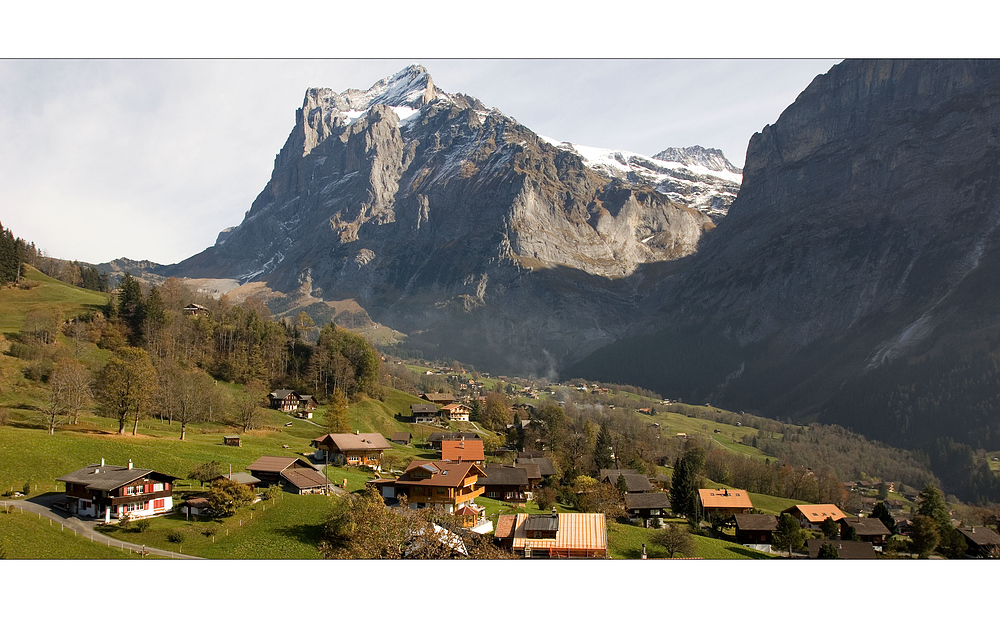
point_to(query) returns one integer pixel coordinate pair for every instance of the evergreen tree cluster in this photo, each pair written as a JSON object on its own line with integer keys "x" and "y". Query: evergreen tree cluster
{"x": 12, "y": 255}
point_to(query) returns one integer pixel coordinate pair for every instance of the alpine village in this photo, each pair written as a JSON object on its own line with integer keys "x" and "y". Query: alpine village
{"x": 146, "y": 414}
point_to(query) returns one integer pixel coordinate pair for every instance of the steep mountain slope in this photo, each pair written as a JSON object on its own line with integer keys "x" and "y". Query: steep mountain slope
{"x": 864, "y": 242}
{"x": 459, "y": 226}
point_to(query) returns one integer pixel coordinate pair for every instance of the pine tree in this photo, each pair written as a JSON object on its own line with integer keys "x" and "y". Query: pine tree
{"x": 684, "y": 489}
{"x": 603, "y": 454}
{"x": 788, "y": 535}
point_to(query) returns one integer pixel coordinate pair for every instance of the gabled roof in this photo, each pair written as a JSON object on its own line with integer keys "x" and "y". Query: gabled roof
{"x": 755, "y": 521}
{"x": 981, "y": 535}
{"x": 423, "y": 408}
{"x": 439, "y": 397}
{"x": 634, "y": 482}
{"x": 401, "y": 435}
{"x": 544, "y": 464}
{"x": 650, "y": 500}
{"x": 603, "y": 474}
{"x": 534, "y": 472}
{"x": 846, "y": 550}
{"x": 281, "y": 393}
{"x": 866, "y": 526}
{"x": 270, "y": 463}
{"x": 106, "y": 478}
{"x": 304, "y": 478}
{"x": 816, "y": 513}
{"x": 725, "y": 499}
{"x": 462, "y": 450}
{"x": 354, "y": 441}
{"x": 503, "y": 475}
{"x": 443, "y": 473}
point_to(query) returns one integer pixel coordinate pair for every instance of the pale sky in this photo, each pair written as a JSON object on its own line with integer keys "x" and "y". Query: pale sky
{"x": 150, "y": 159}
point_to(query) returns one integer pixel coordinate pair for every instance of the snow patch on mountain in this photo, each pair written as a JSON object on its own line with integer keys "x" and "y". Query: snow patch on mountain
{"x": 702, "y": 179}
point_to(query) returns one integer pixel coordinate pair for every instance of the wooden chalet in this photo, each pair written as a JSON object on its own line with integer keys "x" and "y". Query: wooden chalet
{"x": 846, "y": 550}
{"x": 981, "y": 541}
{"x": 558, "y": 535}
{"x": 755, "y": 529}
{"x": 401, "y": 437}
{"x": 109, "y": 492}
{"x": 812, "y": 516}
{"x": 456, "y": 412}
{"x": 436, "y": 439}
{"x": 353, "y": 449}
{"x": 196, "y": 310}
{"x": 724, "y": 502}
{"x": 534, "y": 472}
{"x": 443, "y": 485}
{"x": 463, "y": 450}
{"x": 424, "y": 413}
{"x": 291, "y": 473}
{"x": 647, "y": 505}
{"x": 869, "y": 529}
{"x": 289, "y": 401}
{"x": 507, "y": 483}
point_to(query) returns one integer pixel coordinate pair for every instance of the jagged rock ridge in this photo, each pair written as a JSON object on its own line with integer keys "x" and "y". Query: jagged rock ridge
{"x": 454, "y": 223}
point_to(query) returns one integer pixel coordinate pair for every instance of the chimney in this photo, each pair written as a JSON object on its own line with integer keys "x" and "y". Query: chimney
{"x": 357, "y": 432}
{"x": 129, "y": 464}
{"x": 554, "y": 514}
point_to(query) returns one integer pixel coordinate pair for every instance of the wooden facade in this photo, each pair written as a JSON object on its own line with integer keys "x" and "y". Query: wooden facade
{"x": 443, "y": 485}
{"x": 110, "y": 492}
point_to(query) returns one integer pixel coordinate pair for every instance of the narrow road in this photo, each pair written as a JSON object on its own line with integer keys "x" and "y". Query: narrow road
{"x": 42, "y": 505}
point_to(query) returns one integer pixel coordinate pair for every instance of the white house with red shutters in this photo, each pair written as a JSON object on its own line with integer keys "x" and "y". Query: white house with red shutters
{"x": 109, "y": 492}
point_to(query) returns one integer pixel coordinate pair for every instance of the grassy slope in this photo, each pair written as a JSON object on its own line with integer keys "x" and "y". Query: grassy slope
{"x": 70, "y": 300}
{"x": 26, "y": 536}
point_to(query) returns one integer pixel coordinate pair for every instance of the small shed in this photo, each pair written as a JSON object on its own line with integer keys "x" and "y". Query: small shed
{"x": 232, "y": 441}
{"x": 402, "y": 437}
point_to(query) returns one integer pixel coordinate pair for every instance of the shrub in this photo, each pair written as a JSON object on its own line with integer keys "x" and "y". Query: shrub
{"x": 175, "y": 536}
{"x": 545, "y": 498}
{"x": 142, "y": 525}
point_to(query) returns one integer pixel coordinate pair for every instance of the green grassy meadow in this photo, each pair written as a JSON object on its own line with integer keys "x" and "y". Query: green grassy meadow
{"x": 25, "y": 536}
{"x": 50, "y": 294}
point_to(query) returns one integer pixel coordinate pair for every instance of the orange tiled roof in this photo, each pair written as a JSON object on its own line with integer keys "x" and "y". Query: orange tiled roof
{"x": 816, "y": 513}
{"x": 725, "y": 499}
{"x": 465, "y": 450}
{"x": 576, "y": 531}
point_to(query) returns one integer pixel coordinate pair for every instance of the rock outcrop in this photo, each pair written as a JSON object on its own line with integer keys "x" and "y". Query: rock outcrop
{"x": 865, "y": 233}
{"x": 453, "y": 223}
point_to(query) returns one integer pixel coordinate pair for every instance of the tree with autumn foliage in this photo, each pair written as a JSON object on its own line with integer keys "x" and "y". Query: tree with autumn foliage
{"x": 126, "y": 386}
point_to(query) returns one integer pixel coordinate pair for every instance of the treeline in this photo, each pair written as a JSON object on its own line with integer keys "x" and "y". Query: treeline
{"x": 12, "y": 256}
{"x": 240, "y": 343}
{"x": 16, "y": 252}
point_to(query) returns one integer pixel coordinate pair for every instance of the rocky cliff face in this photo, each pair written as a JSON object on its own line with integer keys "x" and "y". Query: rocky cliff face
{"x": 865, "y": 233}
{"x": 456, "y": 224}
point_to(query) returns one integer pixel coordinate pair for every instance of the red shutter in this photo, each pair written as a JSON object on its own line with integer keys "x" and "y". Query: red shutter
{"x": 158, "y": 504}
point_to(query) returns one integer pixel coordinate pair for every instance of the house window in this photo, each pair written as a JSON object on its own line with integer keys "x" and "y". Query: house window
{"x": 493, "y": 494}
{"x": 159, "y": 504}
{"x": 352, "y": 458}
{"x": 157, "y": 486}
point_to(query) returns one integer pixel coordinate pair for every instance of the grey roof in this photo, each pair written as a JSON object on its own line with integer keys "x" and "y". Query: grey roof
{"x": 606, "y": 471}
{"x": 541, "y": 522}
{"x": 503, "y": 475}
{"x": 105, "y": 478}
{"x": 634, "y": 482}
{"x": 866, "y": 526}
{"x": 532, "y": 469}
{"x": 544, "y": 464}
{"x": 239, "y": 477}
{"x": 981, "y": 535}
{"x": 652, "y": 500}
{"x": 423, "y": 408}
{"x": 281, "y": 393}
